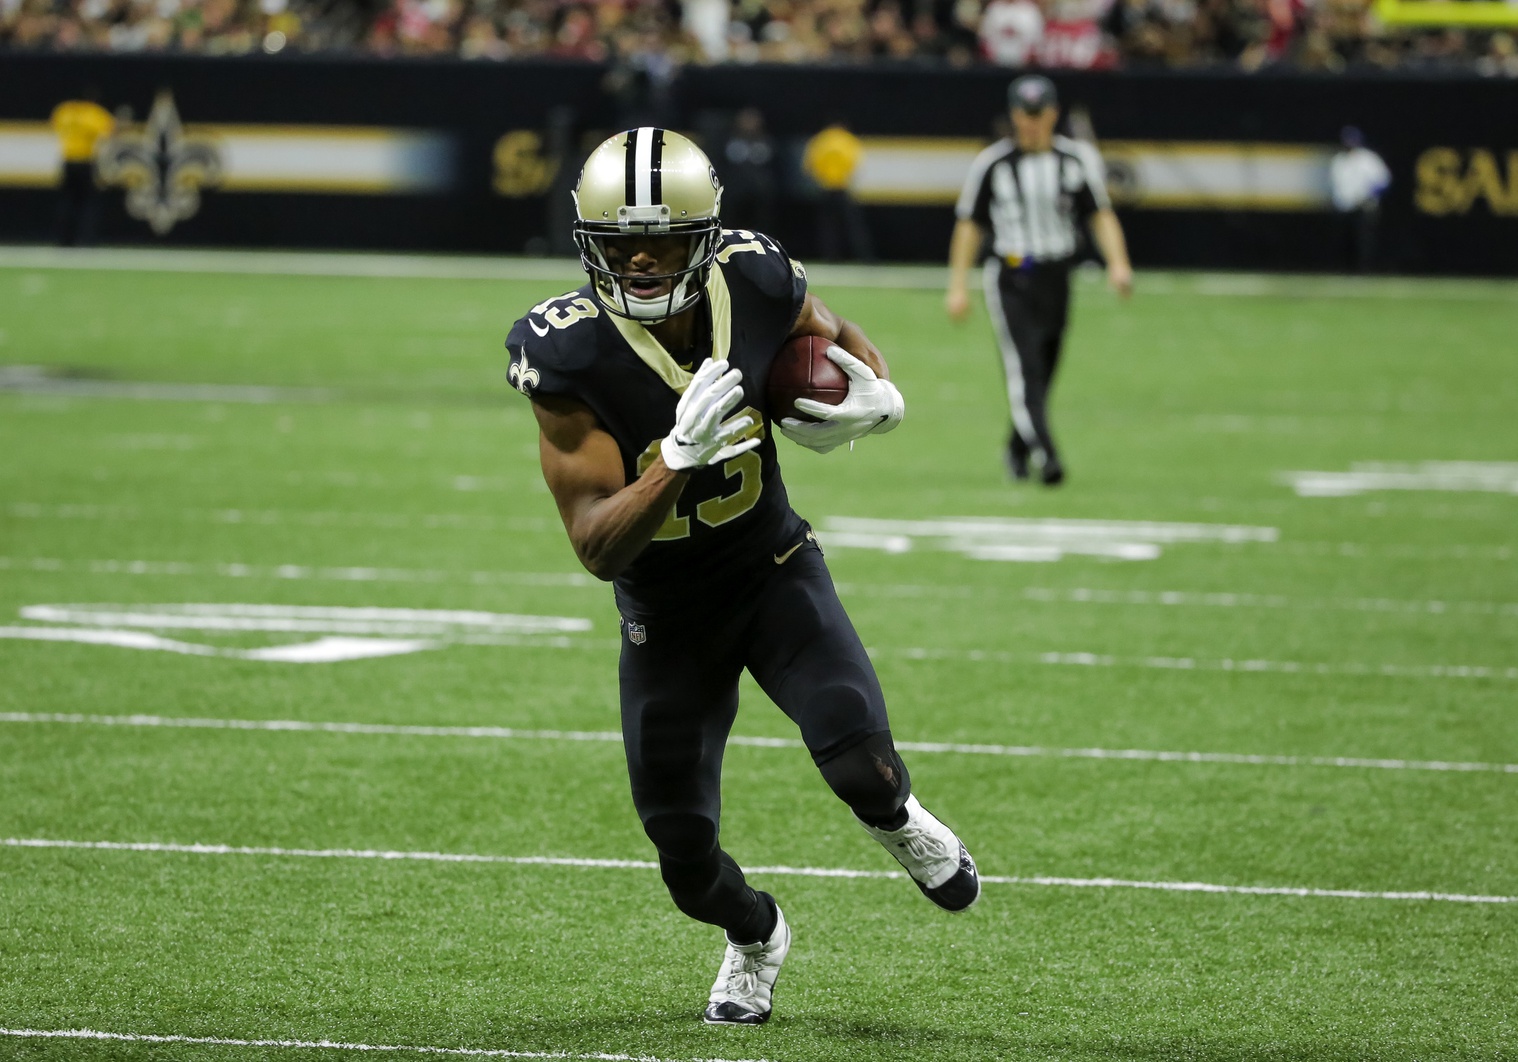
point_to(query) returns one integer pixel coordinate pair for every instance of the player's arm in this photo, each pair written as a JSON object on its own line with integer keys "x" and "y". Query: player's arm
{"x": 963, "y": 247}
{"x": 608, "y": 519}
{"x": 815, "y": 319}
{"x": 1108, "y": 233}
{"x": 873, "y": 405}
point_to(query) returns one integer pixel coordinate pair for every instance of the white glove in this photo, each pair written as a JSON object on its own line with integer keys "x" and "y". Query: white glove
{"x": 701, "y": 437}
{"x": 873, "y": 406}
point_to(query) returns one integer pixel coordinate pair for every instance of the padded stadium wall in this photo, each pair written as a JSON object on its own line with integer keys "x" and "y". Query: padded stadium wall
{"x": 1209, "y": 170}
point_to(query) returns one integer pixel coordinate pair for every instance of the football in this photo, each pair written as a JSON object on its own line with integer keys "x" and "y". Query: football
{"x": 802, "y": 370}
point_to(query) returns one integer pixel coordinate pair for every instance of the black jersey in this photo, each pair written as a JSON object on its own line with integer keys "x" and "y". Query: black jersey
{"x": 730, "y": 516}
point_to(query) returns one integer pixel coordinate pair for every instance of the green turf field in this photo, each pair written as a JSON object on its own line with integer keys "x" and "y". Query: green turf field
{"x": 353, "y": 444}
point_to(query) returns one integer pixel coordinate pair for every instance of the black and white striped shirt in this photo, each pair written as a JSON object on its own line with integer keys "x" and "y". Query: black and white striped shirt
{"x": 1032, "y": 202}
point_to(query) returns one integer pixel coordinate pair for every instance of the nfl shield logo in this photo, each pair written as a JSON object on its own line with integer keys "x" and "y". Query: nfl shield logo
{"x": 636, "y": 633}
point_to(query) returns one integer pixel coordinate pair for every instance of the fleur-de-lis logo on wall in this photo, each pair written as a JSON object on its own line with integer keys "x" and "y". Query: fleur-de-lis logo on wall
{"x": 162, "y": 169}
{"x": 522, "y": 375}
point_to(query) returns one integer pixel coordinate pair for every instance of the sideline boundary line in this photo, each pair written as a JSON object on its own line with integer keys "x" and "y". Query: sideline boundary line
{"x": 1189, "y": 663}
{"x": 566, "y": 270}
{"x": 359, "y": 265}
{"x": 333, "y": 1045}
{"x": 781, "y": 871}
{"x": 964, "y": 748}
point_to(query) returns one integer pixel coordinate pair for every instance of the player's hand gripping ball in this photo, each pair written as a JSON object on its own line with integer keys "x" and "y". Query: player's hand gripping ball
{"x": 802, "y": 370}
{"x": 832, "y": 397}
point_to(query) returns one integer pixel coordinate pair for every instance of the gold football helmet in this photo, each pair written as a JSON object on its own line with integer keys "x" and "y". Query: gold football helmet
{"x": 646, "y": 182}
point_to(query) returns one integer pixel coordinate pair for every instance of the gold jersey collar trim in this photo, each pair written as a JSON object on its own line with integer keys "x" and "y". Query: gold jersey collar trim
{"x": 652, "y": 353}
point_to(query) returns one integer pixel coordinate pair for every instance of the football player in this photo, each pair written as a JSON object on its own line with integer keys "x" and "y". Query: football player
{"x": 648, "y": 384}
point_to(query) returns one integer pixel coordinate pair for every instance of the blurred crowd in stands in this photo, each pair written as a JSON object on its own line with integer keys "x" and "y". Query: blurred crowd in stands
{"x": 657, "y": 36}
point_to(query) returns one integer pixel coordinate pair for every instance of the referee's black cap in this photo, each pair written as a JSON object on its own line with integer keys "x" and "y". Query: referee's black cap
{"x": 1032, "y": 92}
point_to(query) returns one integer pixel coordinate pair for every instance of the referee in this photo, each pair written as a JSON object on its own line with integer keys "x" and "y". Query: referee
{"x": 1030, "y": 191}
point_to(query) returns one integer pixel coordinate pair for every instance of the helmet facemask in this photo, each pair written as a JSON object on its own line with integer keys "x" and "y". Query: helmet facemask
{"x": 686, "y": 283}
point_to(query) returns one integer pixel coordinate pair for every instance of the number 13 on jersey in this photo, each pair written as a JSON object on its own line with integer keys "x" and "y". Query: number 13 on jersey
{"x": 747, "y": 469}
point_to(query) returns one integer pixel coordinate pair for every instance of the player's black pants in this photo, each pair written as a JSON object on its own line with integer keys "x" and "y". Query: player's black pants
{"x": 1029, "y": 306}
{"x": 785, "y": 624}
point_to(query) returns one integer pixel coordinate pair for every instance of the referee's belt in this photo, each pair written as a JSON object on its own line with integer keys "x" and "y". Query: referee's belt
{"x": 1027, "y": 263}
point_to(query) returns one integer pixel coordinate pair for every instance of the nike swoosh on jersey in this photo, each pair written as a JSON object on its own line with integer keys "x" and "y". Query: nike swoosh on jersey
{"x": 540, "y": 331}
{"x": 781, "y": 558}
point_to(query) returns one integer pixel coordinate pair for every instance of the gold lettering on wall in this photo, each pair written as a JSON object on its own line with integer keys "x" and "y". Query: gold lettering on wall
{"x": 1451, "y": 181}
{"x": 520, "y": 167}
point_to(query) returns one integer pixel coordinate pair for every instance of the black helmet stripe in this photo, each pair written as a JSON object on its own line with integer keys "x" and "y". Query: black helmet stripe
{"x": 645, "y": 166}
{"x": 656, "y": 168}
{"x": 632, "y": 167}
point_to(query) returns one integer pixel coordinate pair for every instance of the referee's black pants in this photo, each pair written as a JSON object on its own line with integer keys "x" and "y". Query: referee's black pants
{"x": 1029, "y": 305}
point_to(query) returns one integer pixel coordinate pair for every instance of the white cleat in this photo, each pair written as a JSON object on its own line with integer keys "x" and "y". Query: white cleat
{"x": 745, "y": 985}
{"x": 935, "y": 858}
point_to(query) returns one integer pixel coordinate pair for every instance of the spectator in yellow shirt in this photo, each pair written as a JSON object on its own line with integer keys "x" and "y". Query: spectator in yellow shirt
{"x": 80, "y": 125}
{"x": 832, "y": 156}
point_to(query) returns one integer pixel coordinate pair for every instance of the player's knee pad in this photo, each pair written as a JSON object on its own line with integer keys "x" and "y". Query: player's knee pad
{"x": 870, "y": 778}
{"x": 840, "y": 709}
{"x": 682, "y": 837}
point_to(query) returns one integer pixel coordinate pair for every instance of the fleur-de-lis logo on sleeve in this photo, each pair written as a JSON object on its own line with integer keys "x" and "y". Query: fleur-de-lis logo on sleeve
{"x": 522, "y": 375}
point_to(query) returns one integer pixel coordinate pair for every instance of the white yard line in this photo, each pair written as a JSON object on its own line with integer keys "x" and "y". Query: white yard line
{"x": 328, "y": 649}
{"x": 961, "y": 748}
{"x": 305, "y": 619}
{"x": 1483, "y": 477}
{"x": 348, "y": 633}
{"x": 1052, "y": 530}
{"x": 345, "y": 574}
{"x": 1019, "y": 540}
{"x": 1241, "y": 758}
{"x": 1077, "y": 595}
{"x": 781, "y": 871}
{"x": 332, "y": 1045}
{"x": 1043, "y": 594}
{"x": 481, "y": 522}
{"x": 277, "y": 517}
{"x": 496, "y": 732}
{"x": 325, "y": 650}
{"x": 1187, "y": 663}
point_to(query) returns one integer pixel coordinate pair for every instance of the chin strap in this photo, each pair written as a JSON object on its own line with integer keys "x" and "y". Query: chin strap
{"x": 657, "y": 309}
